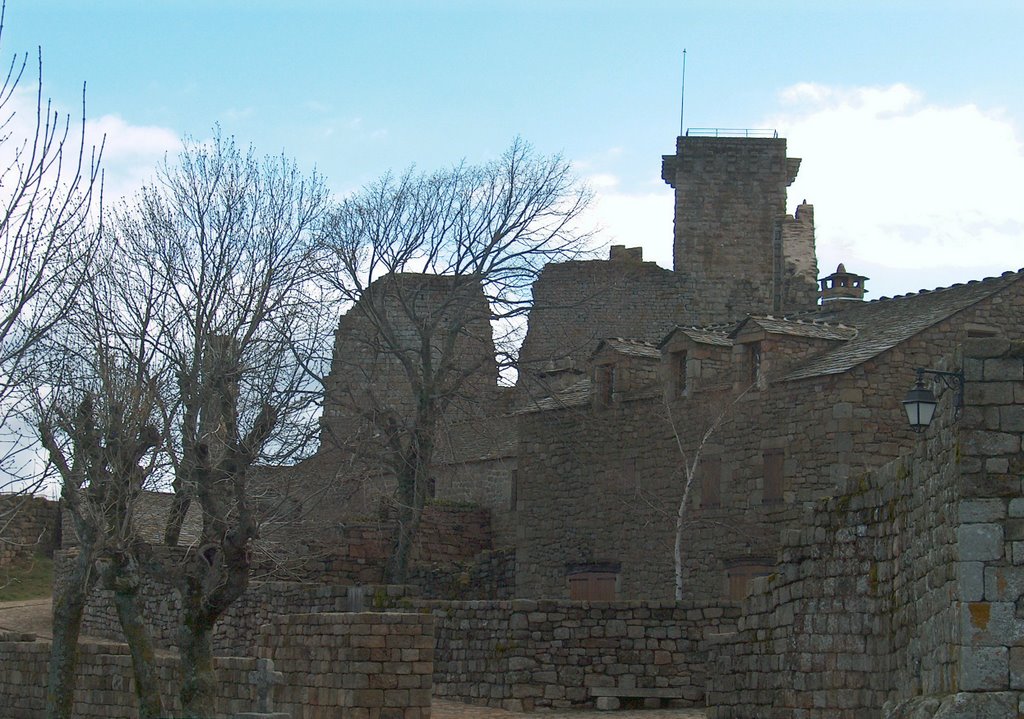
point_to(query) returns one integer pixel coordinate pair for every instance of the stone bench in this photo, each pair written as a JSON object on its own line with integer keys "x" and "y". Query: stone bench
{"x": 609, "y": 698}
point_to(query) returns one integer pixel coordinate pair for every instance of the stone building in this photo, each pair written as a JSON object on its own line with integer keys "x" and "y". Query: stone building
{"x": 626, "y": 367}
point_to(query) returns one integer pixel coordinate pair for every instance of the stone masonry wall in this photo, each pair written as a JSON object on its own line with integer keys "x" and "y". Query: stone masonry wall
{"x": 576, "y": 304}
{"x": 237, "y": 631}
{"x": 362, "y": 665}
{"x": 105, "y": 688}
{"x": 524, "y": 655}
{"x": 899, "y": 596}
{"x": 28, "y": 527}
{"x": 602, "y": 484}
{"x": 730, "y": 196}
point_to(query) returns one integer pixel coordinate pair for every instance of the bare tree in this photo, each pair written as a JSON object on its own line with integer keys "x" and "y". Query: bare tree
{"x": 228, "y": 234}
{"x": 432, "y": 264}
{"x": 100, "y": 421}
{"x": 691, "y": 450}
{"x": 47, "y": 187}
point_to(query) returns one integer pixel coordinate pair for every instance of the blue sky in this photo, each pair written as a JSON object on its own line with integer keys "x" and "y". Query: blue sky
{"x": 909, "y": 116}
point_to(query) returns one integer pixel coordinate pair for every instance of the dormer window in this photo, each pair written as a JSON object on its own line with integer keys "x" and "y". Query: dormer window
{"x": 604, "y": 380}
{"x": 754, "y": 363}
{"x": 679, "y": 373}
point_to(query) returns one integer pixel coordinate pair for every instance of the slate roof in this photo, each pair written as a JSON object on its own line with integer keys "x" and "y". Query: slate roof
{"x": 575, "y": 395}
{"x": 882, "y": 324}
{"x": 476, "y": 441}
{"x": 799, "y": 328}
{"x": 703, "y": 335}
{"x": 630, "y": 347}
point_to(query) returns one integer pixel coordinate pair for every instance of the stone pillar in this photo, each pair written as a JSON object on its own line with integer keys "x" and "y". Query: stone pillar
{"x": 990, "y": 535}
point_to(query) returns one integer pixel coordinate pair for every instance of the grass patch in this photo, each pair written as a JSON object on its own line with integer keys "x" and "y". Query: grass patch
{"x": 31, "y": 580}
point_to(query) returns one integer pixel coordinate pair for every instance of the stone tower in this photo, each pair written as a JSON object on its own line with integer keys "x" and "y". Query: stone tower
{"x": 734, "y": 243}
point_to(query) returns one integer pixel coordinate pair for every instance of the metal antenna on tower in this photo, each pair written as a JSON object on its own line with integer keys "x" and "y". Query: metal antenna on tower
{"x": 682, "y": 95}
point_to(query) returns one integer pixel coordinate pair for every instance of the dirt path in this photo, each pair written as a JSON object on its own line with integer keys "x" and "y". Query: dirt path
{"x": 30, "y": 615}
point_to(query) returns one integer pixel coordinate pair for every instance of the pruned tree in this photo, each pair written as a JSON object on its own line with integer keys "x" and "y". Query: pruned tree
{"x": 229, "y": 235}
{"x": 192, "y": 362}
{"x": 431, "y": 264}
{"x": 100, "y": 419}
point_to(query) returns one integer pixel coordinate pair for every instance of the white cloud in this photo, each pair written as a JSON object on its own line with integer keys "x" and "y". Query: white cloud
{"x": 131, "y": 153}
{"x": 640, "y": 219}
{"x": 899, "y": 183}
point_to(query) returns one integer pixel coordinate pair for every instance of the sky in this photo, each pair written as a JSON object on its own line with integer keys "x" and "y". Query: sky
{"x": 909, "y": 116}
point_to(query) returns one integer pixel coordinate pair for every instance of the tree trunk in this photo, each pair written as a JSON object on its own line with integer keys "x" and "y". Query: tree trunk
{"x": 412, "y": 496}
{"x": 68, "y": 607}
{"x": 198, "y": 681}
{"x": 147, "y": 688}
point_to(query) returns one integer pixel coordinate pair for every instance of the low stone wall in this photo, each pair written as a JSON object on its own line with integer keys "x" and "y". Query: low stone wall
{"x": 237, "y": 631}
{"x": 28, "y": 527}
{"x": 522, "y": 654}
{"x": 367, "y": 665}
{"x": 105, "y": 688}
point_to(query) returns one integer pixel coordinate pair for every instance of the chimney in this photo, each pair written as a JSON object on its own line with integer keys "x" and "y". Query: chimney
{"x": 842, "y": 286}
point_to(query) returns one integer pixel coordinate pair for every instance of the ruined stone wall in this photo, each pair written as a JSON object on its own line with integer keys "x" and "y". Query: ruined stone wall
{"x": 28, "y": 527}
{"x": 603, "y": 484}
{"x": 524, "y": 655}
{"x": 577, "y": 304}
{"x": 730, "y": 198}
{"x": 394, "y": 318}
{"x": 897, "y": 597}
{"x": 796, "y": 267}
{"x": 361, "y": 664}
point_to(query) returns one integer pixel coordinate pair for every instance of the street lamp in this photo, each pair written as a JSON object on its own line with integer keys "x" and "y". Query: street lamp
{"x": 920, "y": 401}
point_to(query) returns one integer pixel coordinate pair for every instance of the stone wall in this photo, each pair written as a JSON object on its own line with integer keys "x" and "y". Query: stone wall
{"x": 524, "y": 655}
{"x": 28, "y": 527}
{"x": 730, "y": 196}
{"x": 237, "y": 631}
{"x": 105, "y": 688}
{"x": 577, "y": 304}
{"x": 363, "y": 665}
{"x": 898, "y": 596}
{"x": 602, "y": 484}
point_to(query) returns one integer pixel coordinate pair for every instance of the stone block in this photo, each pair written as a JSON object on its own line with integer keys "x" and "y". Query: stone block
{"x": 987, "y": 705}
{"x": 1003, "y": 368}
{"x": 1011, "y": 419}
{"x": 1004, "y": 583}
{"x": 981, "y": 510}
{"x": 1014, "y": 529}
{"x": 988, "y": 444}
{"x": 990, "y": 623}
{"x": 984, "y": 668}
{"x": 607, "y": 703}
{"x": 980, "y": 542}
{"x": 971, "y": 580}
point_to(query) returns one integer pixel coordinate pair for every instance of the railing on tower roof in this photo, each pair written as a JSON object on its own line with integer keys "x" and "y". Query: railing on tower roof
{"x": 729, "y": 132}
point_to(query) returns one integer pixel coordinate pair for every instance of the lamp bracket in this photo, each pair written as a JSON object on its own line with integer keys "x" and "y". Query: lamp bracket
{"x": 951, "y": 380}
